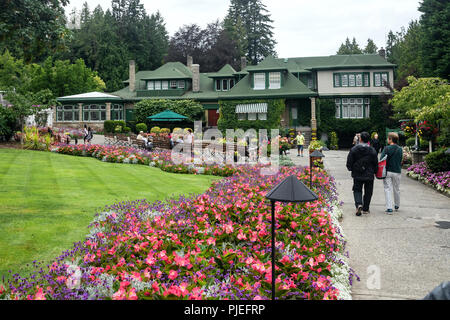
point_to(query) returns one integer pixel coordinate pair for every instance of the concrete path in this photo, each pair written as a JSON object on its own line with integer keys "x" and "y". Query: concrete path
{"x": 403, "y": 256}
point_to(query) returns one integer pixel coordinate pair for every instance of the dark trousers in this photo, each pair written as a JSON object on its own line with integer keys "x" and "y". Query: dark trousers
{"x": 358, "y": 193}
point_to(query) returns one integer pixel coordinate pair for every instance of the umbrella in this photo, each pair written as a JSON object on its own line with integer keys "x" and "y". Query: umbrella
{"x": 167, "y": 115}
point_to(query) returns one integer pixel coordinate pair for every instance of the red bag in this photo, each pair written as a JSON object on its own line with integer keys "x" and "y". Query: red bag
{"x": 381, "y": 171}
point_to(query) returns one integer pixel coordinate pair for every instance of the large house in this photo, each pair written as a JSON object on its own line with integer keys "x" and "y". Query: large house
{"x": 350, "y": 80}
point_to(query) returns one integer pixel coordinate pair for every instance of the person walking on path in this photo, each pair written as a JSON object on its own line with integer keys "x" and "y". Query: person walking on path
{"x": 393, "y": 172}
{"x": 85, "y": 131}
{"x": 300, "y": 139}
{"x": 356, "y": 139}
{"x": 375, "y": 143}
{"x": 362, "y": 161}
{"x": 89, "y": 135}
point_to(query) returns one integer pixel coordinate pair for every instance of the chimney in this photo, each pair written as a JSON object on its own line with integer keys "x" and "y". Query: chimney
{"x": 382, "y": 53}
{"x": 132, "y": 76}
{"x": 190, "y": 61}
{"x": 195, "y": 77}
{"x": 243, "y": 63}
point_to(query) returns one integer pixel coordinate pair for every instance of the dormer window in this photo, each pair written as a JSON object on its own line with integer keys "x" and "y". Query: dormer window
{"x": 224, "y": 84}
{"x": 181, "y": 84}
{"x": 157, "y": 85}
{"x": 259, "y": 81}
{"x": 173, "y": 84}
{"x": 150, "y": 85}
{"x": 274, "y": 80}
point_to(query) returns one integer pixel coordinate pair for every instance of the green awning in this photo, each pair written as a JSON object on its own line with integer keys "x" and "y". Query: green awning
{"x": 252, "y": 108}
{"x": 210, "y": 106}
{"x": 167, "y": 115}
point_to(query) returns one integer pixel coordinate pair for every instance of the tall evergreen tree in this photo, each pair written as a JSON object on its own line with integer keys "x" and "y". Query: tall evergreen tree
{"x": 349, "y": 47}
{"x": 249, "y": 24}
{"x": 435, "y": 21}
{"x": 371, "y": 47}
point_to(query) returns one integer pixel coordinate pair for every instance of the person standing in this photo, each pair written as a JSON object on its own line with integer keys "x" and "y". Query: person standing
{"x": 375, "y": 143}
{"x": 85, "y": 131}
{"x": 300, "y": 139}
{"x": 89, "y": 135}
{"x": 393, "y": 172}
{"x": 362, "y": 161}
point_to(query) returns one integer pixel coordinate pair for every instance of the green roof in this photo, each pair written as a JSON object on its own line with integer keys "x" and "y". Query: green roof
{"x": 227, "y": 71}
{"x": 342, "y": 61}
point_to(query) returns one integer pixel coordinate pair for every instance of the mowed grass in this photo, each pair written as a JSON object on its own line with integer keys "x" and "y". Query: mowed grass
{"x": 47, "y": 200}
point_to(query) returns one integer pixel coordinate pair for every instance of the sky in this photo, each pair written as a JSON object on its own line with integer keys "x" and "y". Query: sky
{"x": 302, "y": 28}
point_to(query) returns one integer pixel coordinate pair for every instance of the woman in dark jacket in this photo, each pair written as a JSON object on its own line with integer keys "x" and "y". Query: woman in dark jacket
{"x": 375, "y": 143}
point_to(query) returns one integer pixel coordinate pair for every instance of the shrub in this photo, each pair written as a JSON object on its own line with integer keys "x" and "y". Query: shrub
{"x": 120, "y": 123}
{"x": 334, "y": 142}
{"x": 410, "y": 142}
{"x": 165, "y": 130}
{"x": 118, "y": 129}
{"x": 444, "y": 139}
{"x": 126, "y": 129}
{"x": 177, "y": 130}
{"x": 155, "y": 130}
{"x": 438, "y": 161}
{"x": 109, "y": 126}
{"x": 141, "y": 127}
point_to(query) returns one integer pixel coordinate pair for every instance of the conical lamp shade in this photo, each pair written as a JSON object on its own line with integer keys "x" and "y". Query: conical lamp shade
{"x": 317, "y": 154}
{"x": 291, "y": 190}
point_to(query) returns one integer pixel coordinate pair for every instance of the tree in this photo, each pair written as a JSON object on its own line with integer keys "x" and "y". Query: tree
{"x": 371, "y": 47}
{"x": 33, "y": 29}
{"x": 349, "y": 47}
{"x": 248, "y": 23}
{"x": 189, "y": 108}
{"x": 435, "y": 46}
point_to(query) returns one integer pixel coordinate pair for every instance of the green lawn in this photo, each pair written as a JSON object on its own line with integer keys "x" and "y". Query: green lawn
{"x": 47, "y": 200}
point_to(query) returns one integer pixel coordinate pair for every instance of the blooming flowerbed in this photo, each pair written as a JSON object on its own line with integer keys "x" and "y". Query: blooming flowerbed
{"x": 210, "y": 246}
{"x": 439, "y": 180}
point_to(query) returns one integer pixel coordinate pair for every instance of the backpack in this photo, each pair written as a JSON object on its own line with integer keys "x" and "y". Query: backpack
{"x": 360, "y": 166}
{"x": 381, "y": 170}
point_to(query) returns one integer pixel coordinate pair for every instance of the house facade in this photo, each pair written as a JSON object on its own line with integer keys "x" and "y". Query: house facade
{"x": 350, "y": 80}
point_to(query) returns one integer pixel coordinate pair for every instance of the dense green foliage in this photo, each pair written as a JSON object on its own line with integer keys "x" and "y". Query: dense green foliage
{"x": 141, "y": 127}
{"x": 32, "y": 30}
{"x": 349, "y": 47}
{"x": 228, "y": 117}
{"x": 149, "y": 107}
{"x": 249, "y": 25}
{"x": 435, "y": 21}
{"x": 109, "y": 126}
{"x": 48, "y": 200}
{"x": 438, "y": 161}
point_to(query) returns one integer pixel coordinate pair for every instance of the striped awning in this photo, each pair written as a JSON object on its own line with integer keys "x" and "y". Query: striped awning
{"x": 252, "y": 108}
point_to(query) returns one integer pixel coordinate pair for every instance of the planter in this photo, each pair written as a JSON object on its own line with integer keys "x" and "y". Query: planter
{"x": 418, "y": 156}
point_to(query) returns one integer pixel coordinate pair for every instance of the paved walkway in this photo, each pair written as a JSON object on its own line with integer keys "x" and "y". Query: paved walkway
{"x": 403, "y": 256}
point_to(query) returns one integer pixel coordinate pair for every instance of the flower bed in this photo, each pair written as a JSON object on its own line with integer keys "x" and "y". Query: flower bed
{"x": 440, "y": 181}
{"x": 210, "y": 246}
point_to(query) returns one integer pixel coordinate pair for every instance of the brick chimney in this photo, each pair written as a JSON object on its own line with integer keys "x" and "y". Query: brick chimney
{"x": 382, "y": 53}
{"x": 132, "y": 76}
{"x": 243, "y": 63}
{"x": 195, "y": 77}
{"x": 190, "y": 61}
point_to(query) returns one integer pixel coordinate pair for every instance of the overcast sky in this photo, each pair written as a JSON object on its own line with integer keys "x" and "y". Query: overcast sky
{"x": 302, "y": 27}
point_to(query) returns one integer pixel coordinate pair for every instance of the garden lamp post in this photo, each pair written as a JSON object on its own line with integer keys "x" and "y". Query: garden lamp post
{"x": 289, "y": 190}
{"x": 315, "y": 154}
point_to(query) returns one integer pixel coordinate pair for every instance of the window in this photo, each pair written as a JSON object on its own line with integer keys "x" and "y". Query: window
{"x": 351, "y": 79}
{"x": 225, "y": 85}
{"x": 117, "y": 112}
{"x": 231, "y": 83}
{"x": 68, "y": 113}
{"x": 259, "y": 81}
{"x": 380, "y": 79}
{"x": 218, "y": 87}
{"x": 252, "y": 116}
{"x": 150, "y": 85}
{"x": 94, "y": 112}
{"x": 294, "y": 113}
{"x": 262, "y": 116}
{"x": 242, "y": 116}
{"x": 165, "y": 85}
{"x": 310, "y": 83}
{"x": 180, "y": 84}
{"x": 274, "y": 80}
{"x": 157, "y": 85}
{"x": 352, "y": 108}
{"x": 173, "y": 84}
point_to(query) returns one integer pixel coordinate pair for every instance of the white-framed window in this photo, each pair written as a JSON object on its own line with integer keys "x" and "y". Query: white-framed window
{"x": 180, "y": 84}
{"x": 351, "y": 80}
{"x": 259, "y": 81}
{"x": 117, "y": 112}
{"x": 173, "y": 84}
{"x": 359, "y": 80}
{"x": 274, "y": 80}
{"x": 68, "y": 113}
{"x": 366, "y": 79}
{"x": 344, "y": 80}
{"x": 150, "y": 85}
{"x": 252, "y": 116}
{"x": 94, "y": 112}
{"x": 218, "y": 86}
{"x": 337, "y": 80}
{"x": 157, "y": 85}
{"x": 231, "y": 83}
{"x": 165, "y": 85}
{"x": 262, "y": 116}
{"x": 294, "y": 113}
{"x": 242, "y": 116}
{"x": 224, "y": 85}
{"x": 352, "y": 108}
{"x": 380, "y": 79}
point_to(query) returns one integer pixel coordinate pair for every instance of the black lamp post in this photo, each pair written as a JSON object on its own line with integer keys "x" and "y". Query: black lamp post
{"x": 288, "y": 190}
{"x": 315, "y": 154}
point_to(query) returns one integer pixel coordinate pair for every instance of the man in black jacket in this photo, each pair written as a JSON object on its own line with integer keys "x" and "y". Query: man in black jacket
{"x": 362, "y": 161}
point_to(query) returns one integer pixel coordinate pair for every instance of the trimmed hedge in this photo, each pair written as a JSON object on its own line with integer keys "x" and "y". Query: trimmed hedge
{"x": 141, "y": 127}
{"x": 438, "y": 161}
{"x": 228, "y": 117}
{"x": 109, "y": 126}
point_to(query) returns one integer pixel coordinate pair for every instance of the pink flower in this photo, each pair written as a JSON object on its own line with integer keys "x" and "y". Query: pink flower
{"x": 40, "y": 295}
{"x": 173, "y": 274}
